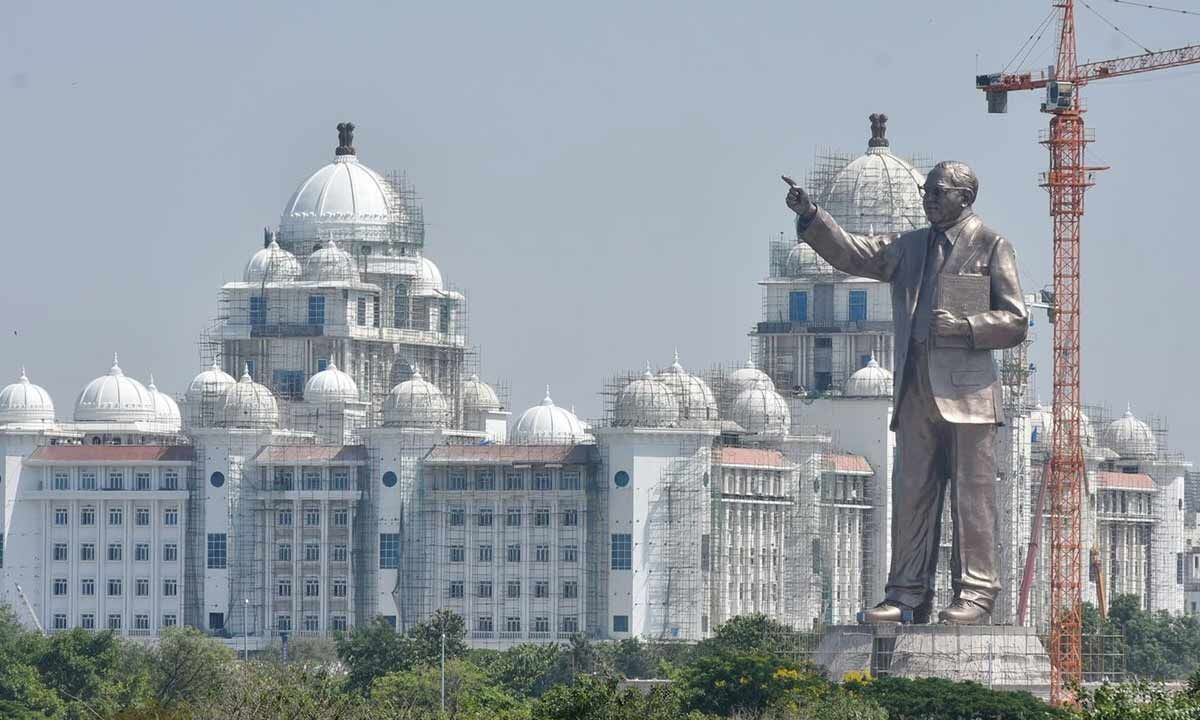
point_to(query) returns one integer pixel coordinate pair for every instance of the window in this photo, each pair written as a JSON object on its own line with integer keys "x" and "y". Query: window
{"x": 141, "y": 587}
{"x": 170, "y": 552}
{"x": 60, "y": 516}
{"x": 87, "y": 480}
{"x": 541, "y": 588}
{"x": 216, "y": 551}
{"x": 512, "y": 589}
{"x": 339, "y": 554}
{"x": 360, "y": 314}
{"x": 141, "y": 552}
{"x": 340, "y": 587}
{"x": 512, "y": 481}
{"x": 622, "y": 551}
{"x": 87, "y": 516}
{"x": 283, "y": 587}
{"x": 340, "y": 480}
{"x": 456, "y": 589}
{"x": 513, "y": 517}
{"x": 620, "y": 623}
{"x": 483, "y": 623}
{"x": 87, "y": 621}
{"x": 541, "y": 517}
{"x": 312, "y": 623}
{"x": 283, "y": 479}
{"x": 485, "y": 517}
{"x": 858, "y": 305}
{"x": 541, "y": 624}
{"x": 798, "y": 306}
{"x": 142, "y": 516}
{"x": 141, "y": 622}
{"x": 568, "y": 624}
{"x": 170, "y": 587}
{"x": 485, "y": 553}
{"x": 485, "y": 589}
{"x": 316, "y": 310}
{"x": 87, "y": 552}
{"x": 289, "y": 384}
{"x": 283, "y": 552}
{"x": 337, "y": 623}
{"x": 570, "y": 517}
{"x": 541, "y": 553}
{"x": 457, "y": 553}
{"x": 457, "y": 517}
{"x": 400, "y": 306}
{"x": 541, "y": 481}
{"x": 114, "y": 587}
{"x": 389, "y": 551}
{"x": 312, "y": 552}
{"x": 170, "y": 480}
{"x": 512, "y": 624}
{"x": 116, "y": 480}
{"x": 60, "y": 586}
{"x": 311, "y": 479}
{"x": 141, "y": 481}
{"x": 87, "y": 586}
{"x": 62, "y": 480}
{"x": 283, "y": 623}
{"x": 570, "y": 553}
{"x": 341, "y": 517}
{"x": 312, "y": 517}
{"x": 375, "y": 308}
{"x": 570, "y": 589}
{"x": 258, "y": 310}
{"x": 169, "y": 620}
{"x": 60, "y": 552}
{"x": 114, "y": 552}
{"x": 283, "y": 518}
{"x": 312, "y": 587}
{"x": 116, "y": 516}
{"x": 114, "y": 621}
{"x": 513, "y": 553}
{"x": 569, "y": 480}
{"x": 485, "y": 480}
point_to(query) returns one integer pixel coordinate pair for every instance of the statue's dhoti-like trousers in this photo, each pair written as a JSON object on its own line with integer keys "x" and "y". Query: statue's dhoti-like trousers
{"x": 930, "y": 453}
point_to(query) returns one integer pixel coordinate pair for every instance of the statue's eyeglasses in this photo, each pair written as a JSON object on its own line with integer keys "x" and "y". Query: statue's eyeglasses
{"x": 939, "y": 190}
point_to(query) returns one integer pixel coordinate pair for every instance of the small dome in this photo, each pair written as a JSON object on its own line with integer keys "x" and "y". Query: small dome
{"x": 646, "y": 402}
{"x": 762, "y": 411}
{"x": 250, "y": 405}
{"x": 549, "y": 424}
{"x": 330, "y": 265}
{"x": 1130, "y": 437}
{"x": 694, "y": 396}
{"x": 749, "y": 376}
{"x": 330, "y": 386}
{"x": 166, "y": 410}
{"x": 802, "y": 260}
{"x": 26, "y": 403}
{"x": 478, "y": 395}
{"x": 213, "y": 382}
{"x": 1041, "y": 420}
{"x": 870, "y": 381}
{"x": 114, "y": 398}
{"x": 272, "y": 264}
{"x": 416, "y": 402}
{"x": 429, "y": 277}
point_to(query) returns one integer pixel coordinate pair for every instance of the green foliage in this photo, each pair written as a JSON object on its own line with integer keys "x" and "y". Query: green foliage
{"x": 94, "y": 673}
{"x": 937, "y": 699}
{"x": 470, "y": 694}
{"x": 528, "y": 671}
{"x": 592, "y": 698}
{"x": 1137, "y": 701}
{"x": 376, "y": 649}
{"x": 840, "y": 704}
{"x": 1157, "y": 646}
{"x": 755, "y": 632}
{"x": 187, "y": 668}
{"x": 739, "y": 681}
{"x": 266, "y": 691}
{"x": 306, "y": 651}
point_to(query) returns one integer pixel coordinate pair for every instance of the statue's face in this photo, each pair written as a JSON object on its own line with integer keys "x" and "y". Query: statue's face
{"x": 943, "y": 202}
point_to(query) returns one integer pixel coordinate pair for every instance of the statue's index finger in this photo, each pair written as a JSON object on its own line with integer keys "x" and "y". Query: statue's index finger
{"x": 788, "y": 180}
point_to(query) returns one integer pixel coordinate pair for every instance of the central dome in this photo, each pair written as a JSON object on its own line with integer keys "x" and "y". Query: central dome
{"x": 877, "y": 192}
{"x": 344, "y": 190}
{"x": 549, "y": 424}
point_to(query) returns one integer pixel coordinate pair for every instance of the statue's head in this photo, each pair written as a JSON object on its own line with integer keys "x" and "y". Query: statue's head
{"x": 950, "y": 190}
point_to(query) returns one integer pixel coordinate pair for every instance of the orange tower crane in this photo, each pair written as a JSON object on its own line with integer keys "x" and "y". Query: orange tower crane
{"x": 1067, "y": 179}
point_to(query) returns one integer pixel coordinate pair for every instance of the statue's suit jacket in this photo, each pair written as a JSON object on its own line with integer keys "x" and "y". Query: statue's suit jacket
{"x": 965, "y": 381}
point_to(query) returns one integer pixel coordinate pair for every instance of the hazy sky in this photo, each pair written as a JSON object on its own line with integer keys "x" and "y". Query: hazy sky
{"x": 600, "y": 179}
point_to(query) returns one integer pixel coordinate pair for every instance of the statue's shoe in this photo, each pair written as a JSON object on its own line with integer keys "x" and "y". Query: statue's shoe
{"x": 965, "y": 612}
{"x": 891, "y": 612}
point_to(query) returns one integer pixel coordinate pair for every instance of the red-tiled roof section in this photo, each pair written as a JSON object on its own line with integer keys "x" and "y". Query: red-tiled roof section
{"x": 850, "y": 464}
{"x": 756, "y": 457}
{"x": 511, "y": 454}
{"x": 113, "y": 453}
{"x": 1109, "y": 480}
{"x": 310, "y": 454}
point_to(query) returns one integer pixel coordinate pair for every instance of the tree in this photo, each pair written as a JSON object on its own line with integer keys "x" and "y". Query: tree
{"x": 1137, "y": 701}
{"x": 187, "y": 668}
{"x": 838, "y": 705}
{"x": 426, "y": 637}
{"x": 755, "y": 632}
{"x": 267, "y": 691}
{"x": 724, "y": 683}
{"x": 94, "y": 673}
{"x": 371, "y": 651}
{"x": 527, "y": 670}
{"x": 470, "y": 693}
{"x": 22, "y": 692}
{"x": 591, "y": 698}
{"x": 938, "y": 699}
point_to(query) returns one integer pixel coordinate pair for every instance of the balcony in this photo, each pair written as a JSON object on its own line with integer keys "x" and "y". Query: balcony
{"x": 814, "y": 328}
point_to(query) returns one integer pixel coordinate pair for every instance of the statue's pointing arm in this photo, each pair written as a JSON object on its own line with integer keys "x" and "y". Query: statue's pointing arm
{"x": 875, "y": 257}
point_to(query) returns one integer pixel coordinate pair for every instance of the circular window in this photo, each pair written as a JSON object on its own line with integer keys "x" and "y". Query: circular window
{"x": 621, "y": 478}
{"x": 217, "y": 479}
{"x": 389, "y": 479}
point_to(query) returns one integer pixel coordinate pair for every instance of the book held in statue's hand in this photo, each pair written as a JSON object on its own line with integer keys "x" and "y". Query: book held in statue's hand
{"x": 962, "y": 296}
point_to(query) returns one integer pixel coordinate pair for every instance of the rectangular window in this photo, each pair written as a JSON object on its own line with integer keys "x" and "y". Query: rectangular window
{"x": 457, "y": 553}
{"x": 570, "y": 517}
{"x": 114, "y": 552}
{"x": 542, "y": 481}
{"x": 170, "y": 480}
{"x": 87, "y": 621}
{"x": 400, "y": 306}
{"x": 170, "y": 552}
{"x": 283, "y": 479}
{"x": 541, "y": 624}
{"x": 569, "y": 480}
{"x": 360, "y": 311}
{"x": 485, "y": 553}
{"x": 114, "y": 587}
{"x": 141, "y": 587}
{"x": 485, "y": 517}
{"x": 62, "y": 480}
{"x": 512, "y": 589}
{"x": 798, "y": 306}
{"x": 620, "y": 623}
{"x": 114, "y": 621}
{"x": 170, "y": 587}
{"x": 512, "y": 481}
{"x": 513, "y": 553}
{"x": 541, "y": 588}
{"x": 513, "y": 517}
{"x": 283, "y": 623}
{"x": 283, "y": 518}
{"x": 337, "y": 623}
{"x": 485, "y": 588}
{"x": 60, "y": 552}
{"x": 116, "y": 480}
{"x": 258, "y": 310}
{"x": 312, "y": 587}
{"x": 116, "y": 516}
{"x": 858, "y": 305}
{"x": 483, "y": 623}
{"x": 169, "y": 620}
{"x": 289, "y": 384}
{"x": 87, "y": 516}
{"x": 541, "y": 553}
{"x": 341, "y": 517}
{"x": 283, "y": 587}
{"x": 485, "y": 480}
{"x": 60, "y": 516}
{"x": 512, "y": 624}
{"x": 622, "y": 551}
{"x": 570, "y": 553}
{"x": 87, "y": 586}
{"x": 141, "y": 481}
{"x": 141, "y": 516}
{"x": 340, "y": 480}
{"x": 456, "y": 589}
{"x": 541, "y": 517}
{"x": 87, "y": 480}
{"x": 60, "y": 586}
{"x": 141, "y": 552}
{"x": 340, "y": 553}
{"x": 457, "y": 517}
{"x": 216, "y": 551}
{"x": 87, "y": 552}
{"x": 312, "y": 623}
{"x": 60, "y": 621}
{"x": 570, "y": 589}
{"x": 389, "y": 551}
{"x": 340, "y": 587}
{"x": 316, "y": 310}
{"x": 568, "y": 624}
{"x": 312, "y": 479}
{"x": 375, "y": 307}
{"x": 171, "y": 517}
{"x": 283, "y": 552}
{"x": 141, "y": 622}
{"x": 312, "y": 517}
{"x": 312, "y": 552}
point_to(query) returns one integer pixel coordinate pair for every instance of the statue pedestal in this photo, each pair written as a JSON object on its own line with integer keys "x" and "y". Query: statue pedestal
{"x": 998, "y": 656}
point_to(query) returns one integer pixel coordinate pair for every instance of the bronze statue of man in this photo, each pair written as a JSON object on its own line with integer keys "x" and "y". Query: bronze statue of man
{"x": 947, "y": 390}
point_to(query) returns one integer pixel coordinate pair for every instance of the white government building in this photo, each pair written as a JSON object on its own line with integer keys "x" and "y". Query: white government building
{"x": 338, "y": 459}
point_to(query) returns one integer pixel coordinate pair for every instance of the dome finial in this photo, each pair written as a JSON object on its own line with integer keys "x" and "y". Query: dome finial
{"x": 151, "y": 385}
{"x": 878, "y": 130}
{"x": 246, "y": 372}
{"x": 649, "y": 373}
{"x": 116, "y": 367}
{"x": 1128, "y": 409}
{"x": 546, "y": 400}
{"x": 873, "y": 363}
{"x": 23, "y": 378}
{"x": 345, "y": 139}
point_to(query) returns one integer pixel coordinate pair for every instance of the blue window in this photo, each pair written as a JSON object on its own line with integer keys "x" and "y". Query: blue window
{"x": 620, "y": 623}
{"x": 322, "y": 363}
{"x": 389, "y": 479}
{"x": 858, "y": 305}
{"x": 798, "y": 306}
{"x": 288, "y": 383}
{"x": 258, "y": 310}
{"x": 217, "y": 479}
{"x": 316, "y": 309}
{"x": 864, "y": 360}
{"x": 622, "y": 551}
{"x": 216, "y": 551}
{"x": 389, "y": 551}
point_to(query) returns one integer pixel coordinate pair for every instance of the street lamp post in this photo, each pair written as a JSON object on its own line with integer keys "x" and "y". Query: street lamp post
{"x": 443, "y": 671}
{"x": 245, "y": 629}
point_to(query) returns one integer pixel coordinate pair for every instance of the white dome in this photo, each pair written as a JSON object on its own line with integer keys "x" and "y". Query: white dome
{"x": 344, "y": 192}
{"x": 762, "y": 411}
{"x": 1130, "y": 437}
{"x": 166, "y": 410}
{"x": 749, "y": 376}
{"x": 330, "y": 264}
{"x": 250, "y": 405}
{"x": 803, "y": 260}
{"x": 870, "y": 381}
{"x": 875, "y": 193}
{"x": 646, "y": 402}
{"x": 416, "y": 402}
{"x": 429, "y": 278}
{"x": 478, "y": 395}
{"x": 213, "y": 382}
{"x": 114, "y": 398}
{"x": 272, "y": 264}
{"x": 1042, "y": 420}
{"x": 24, "y": 402}
{"x": 330, "y": 386}
{"x": 694, "y": 396}
{"x": 548, "y": 424}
